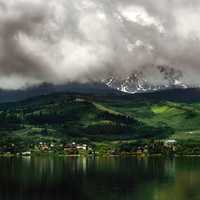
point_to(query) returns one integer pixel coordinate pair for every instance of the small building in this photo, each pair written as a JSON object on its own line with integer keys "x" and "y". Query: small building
{"x": 43, "y": 146}
{"x": 170, "y": 142}
{"x": 82, "y": 147}
{"x": 70, "y": 148}
{"x": 79, "y": 100}
{"x": 26, "y": 153}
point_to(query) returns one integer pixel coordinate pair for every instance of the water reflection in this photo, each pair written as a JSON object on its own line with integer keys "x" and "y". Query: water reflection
{"x": 75, "y": 178}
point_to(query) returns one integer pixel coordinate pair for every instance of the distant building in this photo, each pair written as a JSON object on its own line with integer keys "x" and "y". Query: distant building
{"x": 70, "y": 148}
{"x": 43, "y": 146}
{"x": 170, "y": 142}
{"x": 52, "y": 145}
{"x": 26, "y": 153}
{"x": 79, "y": 100}
{"x": 83, "y": 147}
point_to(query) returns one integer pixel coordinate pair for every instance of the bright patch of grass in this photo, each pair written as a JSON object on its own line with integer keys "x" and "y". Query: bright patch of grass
{"x": 161, "y": 109}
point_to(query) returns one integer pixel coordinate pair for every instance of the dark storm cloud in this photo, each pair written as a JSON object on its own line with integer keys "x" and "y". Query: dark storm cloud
{"x": 58, "y": 41}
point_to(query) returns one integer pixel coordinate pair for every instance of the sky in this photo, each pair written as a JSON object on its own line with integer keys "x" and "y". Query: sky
{"x": 60, "y": 41}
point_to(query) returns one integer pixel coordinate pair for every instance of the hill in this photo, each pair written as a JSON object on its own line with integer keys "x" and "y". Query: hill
{"x": 187, "y": 95}
{"x": 74, "y": 115}
{"x": 100, "y": 89}
{"x": 165, "y": 114}
{"x": 46, "y": 89}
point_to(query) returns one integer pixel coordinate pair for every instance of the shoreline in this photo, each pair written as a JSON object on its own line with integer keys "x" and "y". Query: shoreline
{"x": 6, "y": 155}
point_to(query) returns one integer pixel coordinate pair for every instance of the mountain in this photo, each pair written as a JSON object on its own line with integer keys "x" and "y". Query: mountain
{"x": 187, "y": 95}
{"x": 135, "y": 83}
{"x": 138, "y": 82}
{"x": 46, "y": 88}
{"x": 101, "y": 90}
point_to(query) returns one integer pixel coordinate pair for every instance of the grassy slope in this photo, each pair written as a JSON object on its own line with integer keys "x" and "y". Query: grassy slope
{"x": 63, "y": 115}
{"x": 184, "y": 118}
{"x": 60, "y": 115}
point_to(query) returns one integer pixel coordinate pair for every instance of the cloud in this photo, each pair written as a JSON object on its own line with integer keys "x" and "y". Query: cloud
{"x": 140, "y": 16}
{"x": 59, "y": 41}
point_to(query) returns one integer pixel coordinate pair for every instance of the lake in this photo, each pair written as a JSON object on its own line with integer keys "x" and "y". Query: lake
{"x": 74, "y": 178}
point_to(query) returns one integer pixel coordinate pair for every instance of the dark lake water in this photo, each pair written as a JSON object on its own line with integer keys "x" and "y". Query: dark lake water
{"x": 99, "y": 179}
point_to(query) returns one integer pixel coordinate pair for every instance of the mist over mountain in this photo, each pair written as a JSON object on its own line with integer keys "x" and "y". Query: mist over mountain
{"x": 85, "y": 41}
{"x": 138, "y": 81}
{"x": 116, "y": 85}
{"x": 47, "y": 88}
{"x": 178, "y": 93}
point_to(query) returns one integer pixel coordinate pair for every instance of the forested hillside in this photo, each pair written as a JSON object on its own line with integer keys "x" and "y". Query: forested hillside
{"x": 72, "y": 115}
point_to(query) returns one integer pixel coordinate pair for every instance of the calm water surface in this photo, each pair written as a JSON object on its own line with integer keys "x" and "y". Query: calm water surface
{"x": 99, "y": 179}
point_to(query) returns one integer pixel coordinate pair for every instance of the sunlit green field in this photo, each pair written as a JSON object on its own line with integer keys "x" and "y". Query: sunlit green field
{"x": 183, "y": 118}
{"x": 97, "y": 118}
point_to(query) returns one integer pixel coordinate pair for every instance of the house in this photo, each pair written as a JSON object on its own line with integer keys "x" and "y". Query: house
{"x": 82, "y": 147}
{"x": 52, "y": 145}
{"x": 43, "y": 146}
{"x": 26, "y": 153}
{"x": 169, "y": 142}
{"x": 139, "y": 150}
{"x": 70, "y": 148}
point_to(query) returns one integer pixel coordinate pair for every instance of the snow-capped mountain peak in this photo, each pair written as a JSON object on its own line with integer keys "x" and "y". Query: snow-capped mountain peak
{"x": 137, "y": 82}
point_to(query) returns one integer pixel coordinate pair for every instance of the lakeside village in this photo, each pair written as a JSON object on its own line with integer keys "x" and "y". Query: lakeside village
{"x": 156, "y": 147}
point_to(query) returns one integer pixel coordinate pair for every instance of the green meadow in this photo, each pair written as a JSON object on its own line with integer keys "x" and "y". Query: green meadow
{"x": 98, "y": 118}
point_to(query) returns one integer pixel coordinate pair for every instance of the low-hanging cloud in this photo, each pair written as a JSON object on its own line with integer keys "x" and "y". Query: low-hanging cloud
{"x": 60, "y": 41}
